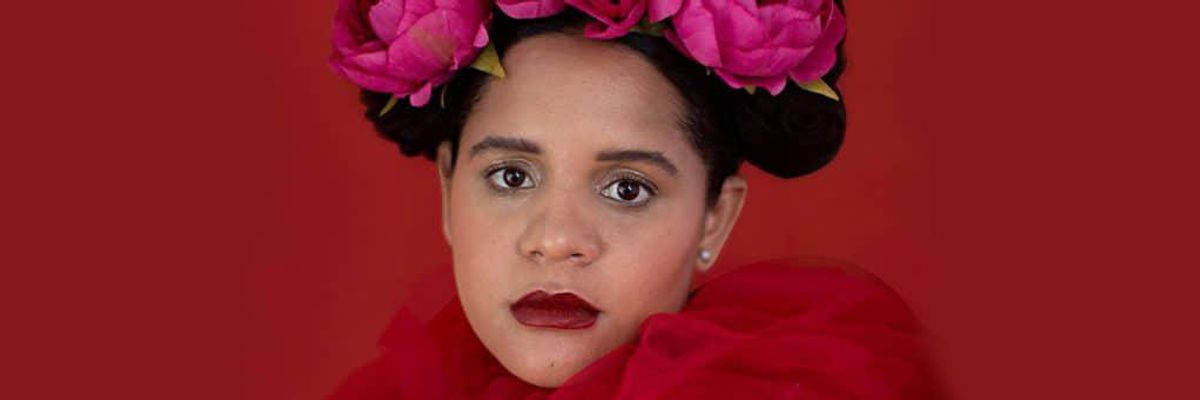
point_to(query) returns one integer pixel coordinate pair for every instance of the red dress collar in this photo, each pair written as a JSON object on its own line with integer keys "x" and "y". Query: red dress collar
{"x": 767, "y": 330}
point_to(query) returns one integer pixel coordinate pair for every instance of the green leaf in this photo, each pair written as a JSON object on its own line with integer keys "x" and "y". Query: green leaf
{"x": 646, "y": 27}
{"x": 750, "y": 89}
{"x": 820, "y": 87}
{"x": 388, "y": 107}
{"x": 489, "y": 61}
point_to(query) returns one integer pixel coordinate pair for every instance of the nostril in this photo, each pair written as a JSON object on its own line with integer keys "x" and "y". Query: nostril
{"x": 581, "y": 258}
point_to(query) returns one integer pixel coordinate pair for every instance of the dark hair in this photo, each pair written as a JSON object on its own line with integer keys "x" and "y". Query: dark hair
{"x": 788, "y": 135}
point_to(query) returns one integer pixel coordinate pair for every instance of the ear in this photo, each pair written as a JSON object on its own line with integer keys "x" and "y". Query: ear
{"x": 720, "y": 218}
{"x": 445, "y": 173}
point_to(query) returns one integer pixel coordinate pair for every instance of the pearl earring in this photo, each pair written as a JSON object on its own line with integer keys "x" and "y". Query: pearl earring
{"x": 705, "y": 255}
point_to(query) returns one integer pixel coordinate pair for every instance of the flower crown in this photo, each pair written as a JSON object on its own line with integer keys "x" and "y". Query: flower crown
{"x": 409, "y": 47}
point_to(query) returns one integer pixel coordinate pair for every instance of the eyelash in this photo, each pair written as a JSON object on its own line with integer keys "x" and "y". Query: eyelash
{"x": 494, "y": 180}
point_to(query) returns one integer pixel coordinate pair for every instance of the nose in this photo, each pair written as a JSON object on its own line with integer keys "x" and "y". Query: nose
{"x": 560, "y": 233}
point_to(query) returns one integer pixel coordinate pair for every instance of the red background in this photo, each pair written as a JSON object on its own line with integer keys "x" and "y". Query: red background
{"x": 193, "y": 207}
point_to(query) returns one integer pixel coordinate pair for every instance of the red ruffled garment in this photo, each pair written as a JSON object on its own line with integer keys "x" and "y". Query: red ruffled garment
{"x": 768, "y": 330}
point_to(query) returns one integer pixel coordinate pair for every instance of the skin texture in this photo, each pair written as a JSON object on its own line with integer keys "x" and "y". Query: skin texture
{"x": 564, "y": 227}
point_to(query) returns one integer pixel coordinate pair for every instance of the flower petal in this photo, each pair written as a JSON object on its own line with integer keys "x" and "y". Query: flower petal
{"x": 824, "y": 53}
{"x": 612, "y": 20}
{"x": 662, "y": 9}
{"x": 694, "y": 28}
{"x": 526, "y": 9}
{"x": 385, "y": 18}
{"x": 481, "y": 36}
{"x": 421, "y": 97}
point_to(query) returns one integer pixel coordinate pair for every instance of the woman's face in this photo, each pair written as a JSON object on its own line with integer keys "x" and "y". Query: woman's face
{"x": 576, "y": 207}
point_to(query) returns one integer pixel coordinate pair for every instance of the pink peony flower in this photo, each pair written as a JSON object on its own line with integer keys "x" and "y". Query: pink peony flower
{"x": 407, "y": 47}
{"x": 762, "y": 43}
{"x": 613, "y": 18}
{"x": 526, "y": 9}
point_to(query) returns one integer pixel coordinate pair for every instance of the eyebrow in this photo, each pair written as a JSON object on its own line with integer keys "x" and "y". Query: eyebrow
{"x": 652, "y": 157}
{"x": 521, "y": 145}
{"x": 505, "y": 143}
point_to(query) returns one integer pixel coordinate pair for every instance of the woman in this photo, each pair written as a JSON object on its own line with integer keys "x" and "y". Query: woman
{"x": 588, "y": 155}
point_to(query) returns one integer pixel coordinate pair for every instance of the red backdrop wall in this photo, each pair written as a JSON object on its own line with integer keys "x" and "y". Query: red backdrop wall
{"x": 196, "y": 209}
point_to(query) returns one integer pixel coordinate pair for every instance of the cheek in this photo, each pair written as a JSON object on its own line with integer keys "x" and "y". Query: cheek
{"x": 480, "y": 245}
{"x": 651, "y": 262}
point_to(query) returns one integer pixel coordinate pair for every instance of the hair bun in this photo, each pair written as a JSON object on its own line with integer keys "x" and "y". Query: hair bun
{"x": 789, "y": 135}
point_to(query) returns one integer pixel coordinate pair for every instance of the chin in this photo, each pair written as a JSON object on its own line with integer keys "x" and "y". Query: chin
{"x": 547, "y": 377}
{"x": 547, "y": 372}
{"x": 547, "y": 366}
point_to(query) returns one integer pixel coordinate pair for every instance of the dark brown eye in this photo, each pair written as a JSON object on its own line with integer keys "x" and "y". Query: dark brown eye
{"x": 510, "y": 178}
{"x": 628, "y": 191}
{"x": 514, "y": 177}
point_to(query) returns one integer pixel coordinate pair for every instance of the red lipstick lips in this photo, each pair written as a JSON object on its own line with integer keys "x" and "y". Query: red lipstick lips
{"x": 561, "y": 311}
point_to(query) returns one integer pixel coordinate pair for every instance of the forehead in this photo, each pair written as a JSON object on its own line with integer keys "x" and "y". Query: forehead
{"x": 570, "y": 93}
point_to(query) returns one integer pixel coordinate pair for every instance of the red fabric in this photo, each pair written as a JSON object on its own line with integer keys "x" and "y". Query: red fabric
{"x": 768, "y": 330}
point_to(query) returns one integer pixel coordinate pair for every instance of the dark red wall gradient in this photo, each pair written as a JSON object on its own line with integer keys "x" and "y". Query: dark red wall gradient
{"x": 193, "y": 207}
